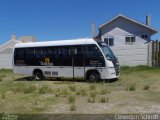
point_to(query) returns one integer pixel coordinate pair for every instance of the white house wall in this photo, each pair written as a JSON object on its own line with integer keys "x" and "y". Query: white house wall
{"x": 6, "y": 61}
{"x": 6, "y": 51}
{"x": 131, "y": 55}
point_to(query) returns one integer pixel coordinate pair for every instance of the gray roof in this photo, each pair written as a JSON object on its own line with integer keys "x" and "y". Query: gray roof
{"x": 154, "y": 31}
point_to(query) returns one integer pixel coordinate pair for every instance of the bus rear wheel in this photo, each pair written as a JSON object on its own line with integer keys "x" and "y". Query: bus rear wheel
{"x": 38, "y": 75}
{"x": 93, "y": 76}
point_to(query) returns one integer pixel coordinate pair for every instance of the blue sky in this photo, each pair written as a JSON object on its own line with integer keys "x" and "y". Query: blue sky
{"x": 67, "y": 19}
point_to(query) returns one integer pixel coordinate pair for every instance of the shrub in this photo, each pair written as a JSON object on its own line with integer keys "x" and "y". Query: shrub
{"x": 35, "y": 102}
{"x": 73, "y": 107}
{"x": 3, "y": 95}
{"x": 72, "y": 88}
{"x": 29, "y": 89}
{"x": 44, "y": 89}
{"x": 104, "y": 99}
{"x": 93, "y": 94}
{"x": 57, "y": 94}
{"x": 103, "y": 91}
{"x": 65, "y": 92}
{"x": 78, "y": 93}
{"x": 131, "y": 87}
{"x": 92, "y": 100}
{"x": 81, "y": 92}
{"x": 1, "y": 78}
{"x": 93, "y": 87}
{"x": 71, "y": 99}
{"x": 146, "y": 87}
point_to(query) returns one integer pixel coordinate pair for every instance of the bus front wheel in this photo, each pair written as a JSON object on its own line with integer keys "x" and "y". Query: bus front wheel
{"x": 93, "y": 76}
{"x": 38, "y": 75}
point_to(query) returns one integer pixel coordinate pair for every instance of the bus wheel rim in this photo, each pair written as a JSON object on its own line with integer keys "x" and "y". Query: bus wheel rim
{"x": 92, "y": 77}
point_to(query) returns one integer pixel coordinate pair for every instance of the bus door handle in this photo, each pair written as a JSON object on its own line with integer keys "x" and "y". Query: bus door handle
{"x": 48, "y": 67}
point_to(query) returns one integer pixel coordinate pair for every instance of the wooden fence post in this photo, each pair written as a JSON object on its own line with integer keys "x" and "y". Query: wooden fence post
{"x": 157, "y": 49}
{"x": 149, "y": 62}
{"x": 159, "y": 55}
{"x": 153, "y": 54}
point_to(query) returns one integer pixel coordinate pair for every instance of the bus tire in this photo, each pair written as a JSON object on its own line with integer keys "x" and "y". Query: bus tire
{"x": 38, "y": 75}
{"x": 93, "y": 76}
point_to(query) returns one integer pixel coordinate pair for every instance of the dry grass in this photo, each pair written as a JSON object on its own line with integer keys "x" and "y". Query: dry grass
{"x": 136, "y": 91}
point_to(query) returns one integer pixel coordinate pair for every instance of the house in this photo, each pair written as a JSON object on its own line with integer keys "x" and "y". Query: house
{"x": 122, "y": 30}
{"x": 6, "y": 50}
{"x": 128, "y": 38}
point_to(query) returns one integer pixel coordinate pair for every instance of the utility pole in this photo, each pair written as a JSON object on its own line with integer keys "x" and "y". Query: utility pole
{"x": 93, "y": 30}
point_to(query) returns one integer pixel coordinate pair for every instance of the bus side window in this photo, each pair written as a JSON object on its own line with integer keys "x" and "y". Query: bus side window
{"x": 19, "y": 56}
{"x": 62, "y": 56}
{"x": 93, "y": 56}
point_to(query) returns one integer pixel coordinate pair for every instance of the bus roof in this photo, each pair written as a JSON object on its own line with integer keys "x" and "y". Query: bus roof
{"x": 56, "y": 43}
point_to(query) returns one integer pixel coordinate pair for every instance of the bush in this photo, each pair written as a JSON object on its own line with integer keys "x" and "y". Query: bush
{"x": 44, "y": 89}
{"x": 81, "y": 92}
{"x": 73, "y": 107}
{"x": 57, "y": 94}
{"x": 146, "y": 87}
{"x": 71, "y": 99}
{"x": 92, "y": 100}
{"x": 35, "y": 102}
{"x": 78, "y": 93}
{"x": 93, "y": 87}
{"x": 1, "y": 78}
{"x": 104, "y": 91}
{"x": 131, "y": 87}
{"x": 65, "y": 92}
{"x": 93, "y": 94}
{"x": 29, "y": 89}
{"x": 3, "y": 95}
{"x": 72, "y": 88}
{"x": 104, "y": 99}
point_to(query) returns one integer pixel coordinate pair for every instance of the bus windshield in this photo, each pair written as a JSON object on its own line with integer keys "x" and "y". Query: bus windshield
{"x": 107, "y": 51}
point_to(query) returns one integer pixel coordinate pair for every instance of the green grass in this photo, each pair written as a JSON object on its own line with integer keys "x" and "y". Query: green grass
{"x": 45, "y": 89}
{"x": 104, "y": 91}
{"x": 146, "y": 87}
{"x": 72, "y": 99}
{"x": 93, "y": 87}
{"x": 72, "y": 88}
{"x": 1, "y": 78}
{"x": 136, "y": 91}
{"x": 93, "y": 94}
{"x": 82, "y": 92}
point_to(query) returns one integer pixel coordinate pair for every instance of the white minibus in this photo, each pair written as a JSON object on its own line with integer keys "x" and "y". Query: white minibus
{"x": 79, "y": 58}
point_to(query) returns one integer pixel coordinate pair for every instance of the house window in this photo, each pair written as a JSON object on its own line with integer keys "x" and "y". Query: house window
{"x": 144, "y": 36}
{"x": 130, "y": 40}
{"x": 109, "y": 41}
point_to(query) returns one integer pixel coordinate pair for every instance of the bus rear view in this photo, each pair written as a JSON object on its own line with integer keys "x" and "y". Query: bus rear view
{"x": 80, "y": 58}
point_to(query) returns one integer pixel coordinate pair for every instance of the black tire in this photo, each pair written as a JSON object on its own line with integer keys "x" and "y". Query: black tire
{"x": 93, "y": 77}
{"x": 38, "y": 75}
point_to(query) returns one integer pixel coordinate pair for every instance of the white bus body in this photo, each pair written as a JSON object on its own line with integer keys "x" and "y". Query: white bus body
{"x": 65, "y": 58}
